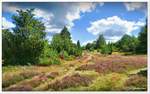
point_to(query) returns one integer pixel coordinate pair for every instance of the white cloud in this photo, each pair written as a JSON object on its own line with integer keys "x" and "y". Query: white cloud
{"x": 78, "y": 8}
{"x": 7, "y": 24}
{"x": 134, "y": 5}
{"x": 46, "y": 17}
{"x": 113, "y": 28}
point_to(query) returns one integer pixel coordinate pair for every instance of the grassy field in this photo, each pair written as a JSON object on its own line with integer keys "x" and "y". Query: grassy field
{"x": 91, "y": 72}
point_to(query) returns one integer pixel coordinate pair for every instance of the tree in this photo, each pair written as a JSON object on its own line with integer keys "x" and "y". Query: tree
{"x": 78, "y": 44}
{"x": 124, "y": 43}
{"x": 128, "y": 43}
{"x": 110, "y": 48}
{"x": 63, "y": 44}
{"x": 100, "y": 42}
{"x": 142, "y": 46}
{"x": 89, "y": 46}
{"x": 57, "y": 43}
{"x": 65, "y": 33}
{"x": 79, "y": 49}
{"x": 7, "y": 45}
{"x": 134, "y": 44}
{"x": 28, "y": 38}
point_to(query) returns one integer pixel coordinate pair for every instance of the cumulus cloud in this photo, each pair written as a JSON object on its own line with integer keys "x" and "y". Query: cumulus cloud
{"x": 113, "y": 28}
{"x": 131, "y": 6}
{"x": 7, "y": 24}
{"x": 79, "y": 7}
{"x": 76, "y": 9}
{"x": 46, "y": 17}
{"x": 54, "y": 21}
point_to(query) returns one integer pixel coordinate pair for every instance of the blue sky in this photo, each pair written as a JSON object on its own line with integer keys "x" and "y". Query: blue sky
{"x": 85, "y": 21}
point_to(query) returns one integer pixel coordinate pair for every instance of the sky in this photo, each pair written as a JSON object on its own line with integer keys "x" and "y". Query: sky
{"x": 85, "y": 21}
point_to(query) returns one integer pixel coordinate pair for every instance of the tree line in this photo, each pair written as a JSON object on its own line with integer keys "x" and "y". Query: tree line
{"x": 27, "y": 44}
{"x": 132, "y": 44}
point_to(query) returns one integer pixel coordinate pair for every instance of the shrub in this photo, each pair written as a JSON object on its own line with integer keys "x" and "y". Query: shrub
{"x": 106, "y": 50}
{"x": 64, "y": 55}
{"x": 50, "y": 58}
{"x": 143, "y": 72}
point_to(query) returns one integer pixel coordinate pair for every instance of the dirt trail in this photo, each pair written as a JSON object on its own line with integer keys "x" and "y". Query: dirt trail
{"x": 76, "y": 63}
{"x": 41, "y": 83}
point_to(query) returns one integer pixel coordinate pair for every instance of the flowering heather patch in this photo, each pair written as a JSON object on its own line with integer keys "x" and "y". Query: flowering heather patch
{"x": 52, "y": 75}
{"x": 70, "y": 81}
{"x": 97, "y": 72}
{"x": 136, "y": 81}
{"x": 122, "y": 64}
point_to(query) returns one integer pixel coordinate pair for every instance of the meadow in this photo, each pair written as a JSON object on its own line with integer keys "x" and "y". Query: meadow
{"x": 91, "y": 72}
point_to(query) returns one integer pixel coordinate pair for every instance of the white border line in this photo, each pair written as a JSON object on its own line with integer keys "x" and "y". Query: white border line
{"x": 0, "y": 48}
{"x": 148, "y": 19}
{"x": 97, "y": 92}
{"x": 74, "y": 1}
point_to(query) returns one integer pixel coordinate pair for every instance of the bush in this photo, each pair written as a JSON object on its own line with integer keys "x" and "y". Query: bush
{"x": 64, "y": 55}
{"x": 50, "y": 58}
{"x": 106, "y": 50}
{"x": 143, "y": 72}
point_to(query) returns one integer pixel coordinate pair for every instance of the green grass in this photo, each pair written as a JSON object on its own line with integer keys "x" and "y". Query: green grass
{"x": 109, "y": 82}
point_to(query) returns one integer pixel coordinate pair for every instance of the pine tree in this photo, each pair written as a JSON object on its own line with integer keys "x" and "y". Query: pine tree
{"x": 100, "y": 42}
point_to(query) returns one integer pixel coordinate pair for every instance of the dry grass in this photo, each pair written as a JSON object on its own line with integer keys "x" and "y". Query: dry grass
{"x": 90, "y": 72}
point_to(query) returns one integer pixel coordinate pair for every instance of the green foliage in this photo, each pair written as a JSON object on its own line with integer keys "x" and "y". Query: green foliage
{"x": 49, "y": 56}
{"x": 90, "y": 46}
{"x": 143, "y": 72}
{"x": 62, "y": 43}
{"x": 142, "y": 46}
{"x": 27, "y": 42}
{"x": 106, "y": 49}
{"x": 109, "y": 82}
{"x": 100, "y": 42}
{"x": 64, "y": 54}
{"x": 65, "y": 33}
{"x": 78, "y": 44}
{"x": 7, "y": 45}
{"x": 128, "y": 43}
{"x": 53, "y": 59}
